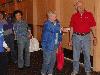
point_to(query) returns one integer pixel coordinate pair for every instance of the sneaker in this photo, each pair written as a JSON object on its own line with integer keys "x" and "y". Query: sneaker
{"x": 42, "y": 73}
{"x": 88, "y": 73}
{"x": 50, "y": 74}
{"x": 74, "y": 73}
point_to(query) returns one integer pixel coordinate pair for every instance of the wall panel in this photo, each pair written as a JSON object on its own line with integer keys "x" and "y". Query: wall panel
{"x": 43, "y": 6}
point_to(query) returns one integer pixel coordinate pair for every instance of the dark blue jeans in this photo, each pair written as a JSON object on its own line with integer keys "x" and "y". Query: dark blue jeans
{"x": 9, "y": 39}
{"x": 3, "y": 63}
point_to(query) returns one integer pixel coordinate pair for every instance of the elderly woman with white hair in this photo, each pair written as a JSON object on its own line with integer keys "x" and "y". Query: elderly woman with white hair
{"x": 51, "y": 37}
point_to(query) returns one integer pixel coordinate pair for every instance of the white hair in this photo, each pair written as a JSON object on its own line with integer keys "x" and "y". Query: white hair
{"x": 50, "y": 13}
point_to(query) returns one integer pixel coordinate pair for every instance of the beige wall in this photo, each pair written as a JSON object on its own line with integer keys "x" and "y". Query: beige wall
{"x": 96, "y": 54}
{"x": 42, "y": 7}
{"x": 66, "y": 7}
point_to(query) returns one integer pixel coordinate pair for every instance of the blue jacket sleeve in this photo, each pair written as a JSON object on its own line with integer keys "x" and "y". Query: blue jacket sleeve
{"x": 44, "y": 37}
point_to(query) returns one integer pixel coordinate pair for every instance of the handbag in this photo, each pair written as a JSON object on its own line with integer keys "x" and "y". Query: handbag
{"x": 60, "y": 57}
{"x": 34, "y": 45}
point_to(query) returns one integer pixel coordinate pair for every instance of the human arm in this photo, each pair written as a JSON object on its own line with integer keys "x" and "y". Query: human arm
{"x": 93, "y": 30}
{"x": 44, "y": 37}
{"x": 70, "y": 36}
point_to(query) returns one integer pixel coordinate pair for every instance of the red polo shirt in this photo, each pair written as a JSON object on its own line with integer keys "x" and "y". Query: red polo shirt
{"x": 82, "y": 23}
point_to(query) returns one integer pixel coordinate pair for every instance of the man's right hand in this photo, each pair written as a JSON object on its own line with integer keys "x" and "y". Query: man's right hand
{"x": 94, "y": 41}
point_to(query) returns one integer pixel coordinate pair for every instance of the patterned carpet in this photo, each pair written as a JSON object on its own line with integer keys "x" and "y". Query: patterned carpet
{"x": 36, "y": 63}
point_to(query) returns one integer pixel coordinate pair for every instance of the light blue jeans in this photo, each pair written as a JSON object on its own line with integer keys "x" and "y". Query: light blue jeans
{"x": 49, "y": 59}
{"x": 81, "y": 43}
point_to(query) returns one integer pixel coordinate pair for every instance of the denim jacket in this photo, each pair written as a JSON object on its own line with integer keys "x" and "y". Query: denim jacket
{"x": 21, "y": 29}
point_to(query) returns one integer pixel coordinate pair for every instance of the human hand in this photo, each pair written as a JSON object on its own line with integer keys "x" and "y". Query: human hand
{"x": 57, "y": 50}
{"x": 30, "y": 36}
{"x": 65, "y": 29}
{"x": 94, "y": 41}
{"x": 7, "y": 49}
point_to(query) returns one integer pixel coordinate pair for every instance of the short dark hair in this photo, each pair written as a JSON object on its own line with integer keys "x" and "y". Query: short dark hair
{"x": 2, "y": 13}
{"x": 16, "y": 12}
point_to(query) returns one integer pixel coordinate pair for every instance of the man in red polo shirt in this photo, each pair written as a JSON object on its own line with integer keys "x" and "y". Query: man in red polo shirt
{"x": 82, "y": 23}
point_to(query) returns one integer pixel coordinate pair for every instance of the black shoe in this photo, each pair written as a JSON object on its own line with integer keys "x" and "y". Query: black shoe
{"x": 27, "y": 67}
{"x": 20, "y": 68}
{"x": 88, "y": 73}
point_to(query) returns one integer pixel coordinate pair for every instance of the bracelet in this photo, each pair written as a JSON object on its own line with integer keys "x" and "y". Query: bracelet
{"x": 94, "y": 37}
